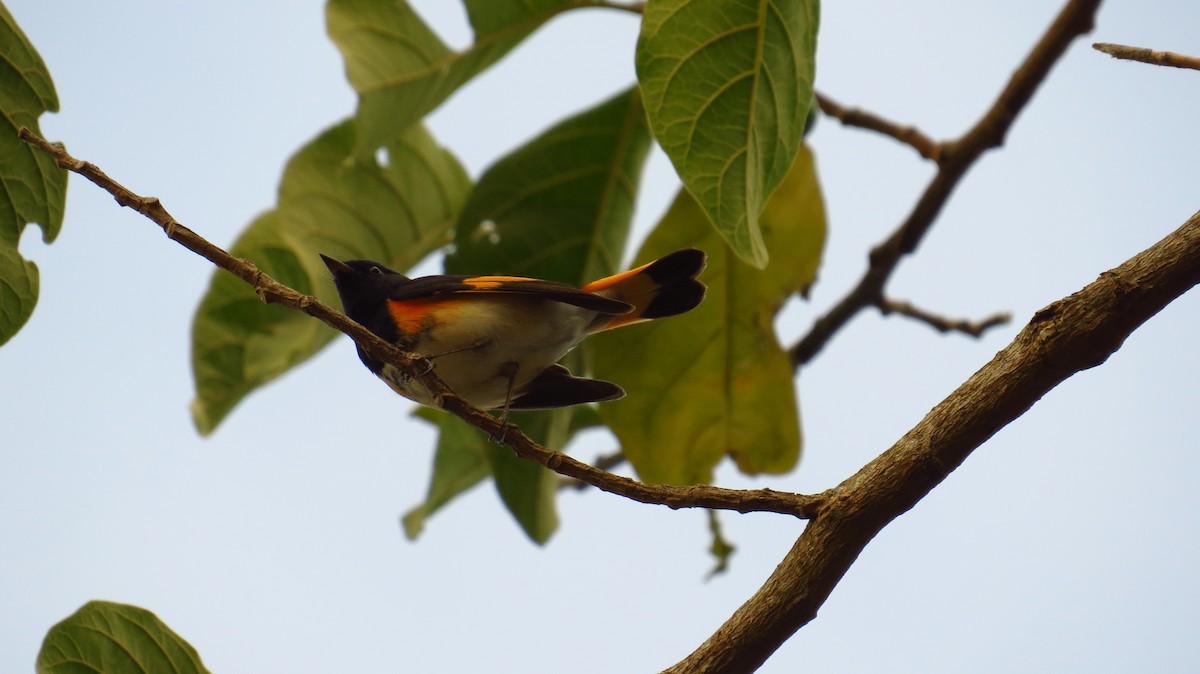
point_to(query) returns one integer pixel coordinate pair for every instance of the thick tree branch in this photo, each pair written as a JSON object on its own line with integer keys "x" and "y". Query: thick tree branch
{"x": 955, "y": 158}
{"x": 273, "y": 292}
{"x": 862, "y": 119}
{"x": 940, "y": 323}
{"x": 1073, "y": 334}
{"x": 1151, "y": 56}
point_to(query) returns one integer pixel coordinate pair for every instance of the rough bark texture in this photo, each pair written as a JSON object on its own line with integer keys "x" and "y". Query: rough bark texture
{"x": 1073, "y": 334}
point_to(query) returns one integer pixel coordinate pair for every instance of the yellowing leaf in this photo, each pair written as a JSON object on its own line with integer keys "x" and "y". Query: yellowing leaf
{"x": 715, "y": 381}
{"x": 728, "y": 85}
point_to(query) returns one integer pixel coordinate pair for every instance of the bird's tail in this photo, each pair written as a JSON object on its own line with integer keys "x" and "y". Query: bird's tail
{"x": 664, "y": 287}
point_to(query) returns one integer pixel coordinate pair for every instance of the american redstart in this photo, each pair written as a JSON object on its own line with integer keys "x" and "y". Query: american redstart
{"x": 496, "y": 340}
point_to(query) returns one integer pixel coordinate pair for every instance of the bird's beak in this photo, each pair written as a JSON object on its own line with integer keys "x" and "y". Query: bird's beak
{"x": 337, "y": 268}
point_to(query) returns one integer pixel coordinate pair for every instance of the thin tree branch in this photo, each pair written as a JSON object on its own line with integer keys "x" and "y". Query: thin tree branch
{"x": 602, "y": 462}
{"x": 1157, "y": 58}
{"x": 909, "y": 135}
{"x": 956, "y": 157}
{"x": 942, "y": 323}
{"x": 1073, "y": 334}
{"x": 273, "y": 292}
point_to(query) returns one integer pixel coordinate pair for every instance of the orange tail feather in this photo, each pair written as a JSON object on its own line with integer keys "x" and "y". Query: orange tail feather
{"x": 662, "y": 288}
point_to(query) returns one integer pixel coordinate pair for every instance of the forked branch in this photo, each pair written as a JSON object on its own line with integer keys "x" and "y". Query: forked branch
{"x": 954, "y": 158}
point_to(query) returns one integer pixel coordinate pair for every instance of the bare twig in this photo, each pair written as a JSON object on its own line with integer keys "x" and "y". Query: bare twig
{"x": 1073, "y": 334}
{"x": 1151, "y": 56}
{"x": 909, "y": 135}
{"x": 956, "y": 157}
{"x": 271, "y": 291}
{"x": 942, "y": 323}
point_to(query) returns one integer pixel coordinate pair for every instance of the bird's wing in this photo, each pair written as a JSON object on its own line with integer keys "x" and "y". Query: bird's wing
{"x": 463, "y": 287}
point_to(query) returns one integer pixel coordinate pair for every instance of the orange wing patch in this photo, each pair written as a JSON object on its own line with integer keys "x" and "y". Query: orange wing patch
{"x": 553, "y": 291}
{"x": 413, "y": 316}
{"x": 493, "y": 282}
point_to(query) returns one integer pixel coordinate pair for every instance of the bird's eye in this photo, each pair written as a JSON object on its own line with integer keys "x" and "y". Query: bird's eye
{"x": 375, "y": 270}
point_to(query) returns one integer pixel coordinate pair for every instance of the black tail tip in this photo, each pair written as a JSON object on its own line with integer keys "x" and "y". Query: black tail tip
{"x": 684, "y": 263}
{"x": 676, "y": 274}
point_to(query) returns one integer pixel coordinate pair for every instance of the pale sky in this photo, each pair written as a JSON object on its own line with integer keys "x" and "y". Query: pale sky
{"x": 1068, "y": 542}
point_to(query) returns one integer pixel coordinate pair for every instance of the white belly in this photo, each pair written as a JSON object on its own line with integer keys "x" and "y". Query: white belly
{"x": 476, "y": 345}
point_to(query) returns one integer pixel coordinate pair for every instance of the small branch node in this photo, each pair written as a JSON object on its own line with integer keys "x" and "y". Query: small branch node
{"x": 942, "y": 324}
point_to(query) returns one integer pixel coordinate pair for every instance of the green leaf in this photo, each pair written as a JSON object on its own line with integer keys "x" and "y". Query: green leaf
{"x": 402, "y": 70}
{"x": 396, "y": 212}
{"x": 491, "y": 18}
{"x": 465, "y": 455}
{"x": 728, "y": 85}
{"x": 716, "y": 381}
{"x": 32, "y": 187}
{"x": 459, "y": 463}
{"x": 527, "y": 488}
{"x": 560, "y": 206}
{"x": 108, "y": 638}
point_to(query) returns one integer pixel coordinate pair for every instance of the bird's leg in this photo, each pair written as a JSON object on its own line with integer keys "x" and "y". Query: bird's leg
{"x": 507, "y": 370}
